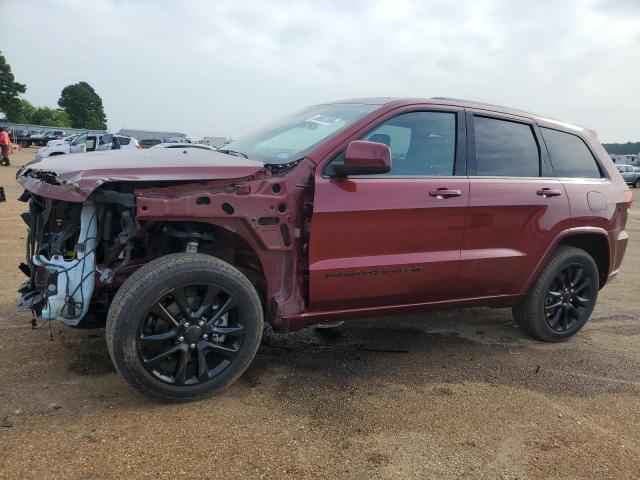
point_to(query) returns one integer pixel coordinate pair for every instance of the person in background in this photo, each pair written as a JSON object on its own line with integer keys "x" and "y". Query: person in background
{"x": 5, "y": 141}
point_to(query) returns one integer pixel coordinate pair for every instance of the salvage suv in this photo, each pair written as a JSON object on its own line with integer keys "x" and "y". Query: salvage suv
{"x": 349, "y": 209}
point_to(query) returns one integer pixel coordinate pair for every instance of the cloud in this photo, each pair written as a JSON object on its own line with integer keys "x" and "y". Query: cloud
{"x": 222, "y": 68}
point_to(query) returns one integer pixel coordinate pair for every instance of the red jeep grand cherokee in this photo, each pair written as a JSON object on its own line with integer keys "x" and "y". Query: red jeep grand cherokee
{"x": 347, "y": 209}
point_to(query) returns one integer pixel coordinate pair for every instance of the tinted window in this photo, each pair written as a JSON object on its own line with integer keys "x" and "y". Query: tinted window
{"x": 570, "y": 156}
{"x": 421, "y": 143}
{"x": 505, "y": 149}
{"x": 124, "y": 140}
{"x": 105, "y": 139}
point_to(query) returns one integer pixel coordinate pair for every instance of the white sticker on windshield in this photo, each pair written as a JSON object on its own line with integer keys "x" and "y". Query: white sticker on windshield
{"x": 284, "y": 155}
{"x": 325, "y": 120}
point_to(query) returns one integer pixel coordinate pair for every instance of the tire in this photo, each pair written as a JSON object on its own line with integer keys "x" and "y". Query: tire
{"x": 552, "y": 313}
{"x": 147, "y": 320}
{"x": 637, "y": 183}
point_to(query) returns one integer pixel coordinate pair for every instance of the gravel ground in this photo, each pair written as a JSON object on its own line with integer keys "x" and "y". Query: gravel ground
{"x": 458, "y": 394}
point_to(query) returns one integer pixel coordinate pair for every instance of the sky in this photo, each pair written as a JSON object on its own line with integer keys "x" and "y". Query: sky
{"x": 222, "y": 68}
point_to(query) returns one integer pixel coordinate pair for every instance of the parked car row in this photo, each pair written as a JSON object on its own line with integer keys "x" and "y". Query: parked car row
{"x": 26, "y": 138}
{"x": 88, "y": 142}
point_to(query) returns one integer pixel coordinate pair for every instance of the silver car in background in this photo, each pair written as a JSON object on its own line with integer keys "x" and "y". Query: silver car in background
{"x": 630, "y": 174}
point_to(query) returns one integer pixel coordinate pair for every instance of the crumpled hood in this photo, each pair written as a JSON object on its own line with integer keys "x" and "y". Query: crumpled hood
{"x": 73, "y": 177}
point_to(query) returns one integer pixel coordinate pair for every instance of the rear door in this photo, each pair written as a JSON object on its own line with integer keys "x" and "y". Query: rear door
{"x": 105, "y": 142}
{"x": 393, "y": 238}
{"x": 516, "y": 205}
{"x": 91, "y": 143}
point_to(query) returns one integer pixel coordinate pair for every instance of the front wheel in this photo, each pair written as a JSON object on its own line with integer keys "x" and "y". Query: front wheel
{"x": 184, "y": 325}
{"x": 563, "y": 297}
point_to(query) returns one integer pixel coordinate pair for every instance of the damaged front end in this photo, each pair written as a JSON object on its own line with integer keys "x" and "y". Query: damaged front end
{"x": 90, "y": 229}
{"x": 65, "y": 241}
{"x": 61, "y": 259}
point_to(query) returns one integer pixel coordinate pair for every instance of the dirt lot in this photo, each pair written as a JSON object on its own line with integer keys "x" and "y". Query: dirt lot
{"x": 459, "y": 394}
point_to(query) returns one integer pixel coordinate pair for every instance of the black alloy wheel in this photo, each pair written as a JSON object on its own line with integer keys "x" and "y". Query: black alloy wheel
{"x": 184, "y": 325}
{"x": 191, "y": 334}
{"x": 562, "y": 298}
{"x": 568, "y": 298}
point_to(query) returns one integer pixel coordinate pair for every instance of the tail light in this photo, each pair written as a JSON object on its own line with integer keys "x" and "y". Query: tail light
{"x": 628, "y": 198}
{"x": 138, "y": 145}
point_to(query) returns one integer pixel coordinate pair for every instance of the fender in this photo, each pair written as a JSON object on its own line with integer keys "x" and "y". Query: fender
{"x": 269, "y": 212}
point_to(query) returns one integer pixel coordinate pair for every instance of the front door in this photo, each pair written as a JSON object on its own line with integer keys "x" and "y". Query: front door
{"x": 78, "y": 144}
{"x": 393, "y": 238}
{"x": 517, "y": 206}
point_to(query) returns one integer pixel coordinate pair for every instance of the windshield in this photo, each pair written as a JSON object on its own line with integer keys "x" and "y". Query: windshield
{"x": 292, "y": 137}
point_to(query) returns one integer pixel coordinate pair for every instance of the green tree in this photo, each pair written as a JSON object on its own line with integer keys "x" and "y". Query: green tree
{"x": 54, "y": 117}
{"x": 622, "y": 148}
{"x": 24, "y": 112}
{"x": 9, "y": 91}
{"x": 84, "y": 106}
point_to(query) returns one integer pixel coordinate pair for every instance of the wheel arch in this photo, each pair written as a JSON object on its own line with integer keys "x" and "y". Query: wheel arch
{"x": 593, "y": 240}
{"x": 597, "y": 246}
{"x": 228, "y": 245}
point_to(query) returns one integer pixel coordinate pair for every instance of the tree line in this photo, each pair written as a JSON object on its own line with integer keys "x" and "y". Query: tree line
{"x": 628, "y": 148}
{"x": 79, "y": 105}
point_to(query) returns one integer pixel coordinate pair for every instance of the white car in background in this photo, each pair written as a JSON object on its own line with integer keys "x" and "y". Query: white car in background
{"x": 184, "y": 145}
{"x": 60, "y": 141}
{"x": 90, "y": 142}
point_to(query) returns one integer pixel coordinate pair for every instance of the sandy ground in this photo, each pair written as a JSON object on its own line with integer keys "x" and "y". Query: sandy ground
{"x": 459, "y": 394}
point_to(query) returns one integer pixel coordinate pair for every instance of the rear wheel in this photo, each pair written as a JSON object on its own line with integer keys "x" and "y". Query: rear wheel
{"x": 563, "y": 297}
{"x": 184, "y": 325}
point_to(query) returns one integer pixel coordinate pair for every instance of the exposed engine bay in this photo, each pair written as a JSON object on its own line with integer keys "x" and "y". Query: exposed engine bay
{"x": 65, "y": 243}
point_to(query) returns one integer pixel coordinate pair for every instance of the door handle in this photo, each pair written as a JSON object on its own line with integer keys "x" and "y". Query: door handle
{"x": 442, "y": 193}
{"x": 548, "y": 192}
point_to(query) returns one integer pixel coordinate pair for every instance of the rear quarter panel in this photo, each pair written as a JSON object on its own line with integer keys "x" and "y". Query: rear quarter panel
{"x": 599, "y": 205}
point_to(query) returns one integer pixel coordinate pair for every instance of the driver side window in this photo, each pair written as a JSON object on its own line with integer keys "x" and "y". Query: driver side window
{"x": 421, "y": 144}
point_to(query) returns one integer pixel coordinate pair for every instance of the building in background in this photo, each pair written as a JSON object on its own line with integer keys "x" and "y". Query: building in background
{"x": 154, "y": 135}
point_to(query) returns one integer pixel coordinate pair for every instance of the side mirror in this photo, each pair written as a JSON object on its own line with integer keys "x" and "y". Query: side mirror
{"x": 364, "y": 158}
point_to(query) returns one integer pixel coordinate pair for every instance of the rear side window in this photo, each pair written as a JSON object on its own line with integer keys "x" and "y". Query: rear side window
{"x": 124, "y": 140}
{"x": 505, "y": 148}
{"x": 570, "y": 156}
